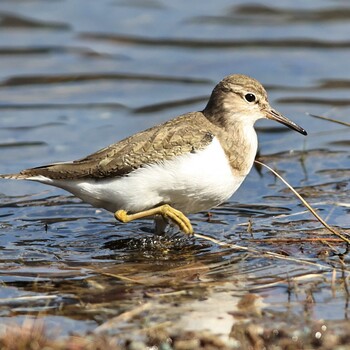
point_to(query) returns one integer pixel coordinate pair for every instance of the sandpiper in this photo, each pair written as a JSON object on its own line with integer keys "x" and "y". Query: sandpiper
{"x": 191, "y": 163}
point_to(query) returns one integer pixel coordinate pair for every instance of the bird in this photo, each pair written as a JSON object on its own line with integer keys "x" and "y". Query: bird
{"x": 191, "y": 163}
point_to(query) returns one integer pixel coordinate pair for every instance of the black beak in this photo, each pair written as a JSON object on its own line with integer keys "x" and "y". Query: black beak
{"x": 278, "y": 117}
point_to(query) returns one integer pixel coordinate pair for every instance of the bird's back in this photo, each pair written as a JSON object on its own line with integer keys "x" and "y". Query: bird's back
{"x": 186, "y": 133}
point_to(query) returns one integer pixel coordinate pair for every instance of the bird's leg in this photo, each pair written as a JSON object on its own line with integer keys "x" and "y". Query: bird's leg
{"x": 160, "y": 224}
{"x": 165, "y": 210}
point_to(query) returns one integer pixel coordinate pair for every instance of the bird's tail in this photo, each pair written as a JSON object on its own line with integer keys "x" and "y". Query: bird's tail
{"x": 17, "y": 176}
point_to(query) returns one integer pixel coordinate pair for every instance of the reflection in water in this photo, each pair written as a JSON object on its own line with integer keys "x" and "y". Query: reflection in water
{"x": 11, "y": 21}
{"x": 293, "y": 14}
{"x": 22, "y": 144}
{"x": 208, "y": 44}
{"x": 60, "y": 79}
{"x": 272, "y": 15}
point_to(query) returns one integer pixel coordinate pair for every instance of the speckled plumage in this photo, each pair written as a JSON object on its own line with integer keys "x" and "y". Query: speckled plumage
{"x": 188, "y": 133}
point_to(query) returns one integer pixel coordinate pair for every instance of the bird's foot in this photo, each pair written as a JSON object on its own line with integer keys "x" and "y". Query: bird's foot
{"x": 165, "y": 210}
{"x": 177, "y": 217}
{"x": 122, "y": 216}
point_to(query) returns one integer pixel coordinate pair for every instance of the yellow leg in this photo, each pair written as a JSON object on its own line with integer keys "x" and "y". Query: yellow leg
{"x": 165, "y": 210}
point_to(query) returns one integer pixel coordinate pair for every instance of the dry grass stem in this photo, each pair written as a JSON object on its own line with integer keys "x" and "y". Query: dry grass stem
{"x": 122, "y": 278}
{"x": 280, "y": 216}
{"x": 28, "y": 298}
{"x": 294, "y": 240}
{"x": 328, "y": 119}
{"x": 124, "y": 317}
{"x": 333, "y": 281}
{"x": 306, "y": 204}
{"x": 291, "y": 281}
{"x": 258, "y": 252}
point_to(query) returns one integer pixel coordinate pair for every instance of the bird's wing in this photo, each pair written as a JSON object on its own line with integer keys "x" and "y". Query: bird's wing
{"x": 187, "y": 133}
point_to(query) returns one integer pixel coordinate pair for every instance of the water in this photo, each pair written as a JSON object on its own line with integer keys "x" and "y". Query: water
{"x": 78, "y": 75}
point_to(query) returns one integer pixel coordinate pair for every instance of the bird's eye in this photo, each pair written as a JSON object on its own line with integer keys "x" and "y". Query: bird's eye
{"x": 250, "y": 97}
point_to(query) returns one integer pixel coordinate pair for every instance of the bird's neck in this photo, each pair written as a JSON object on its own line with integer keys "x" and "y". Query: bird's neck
{"x": 239, "y": 141}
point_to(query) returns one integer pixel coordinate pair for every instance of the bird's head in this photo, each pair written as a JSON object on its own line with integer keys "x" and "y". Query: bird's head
{"x": 241, "y": 99}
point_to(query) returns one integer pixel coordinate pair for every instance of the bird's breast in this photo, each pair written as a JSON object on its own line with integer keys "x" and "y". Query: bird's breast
{"x": 240, "y": 147}
{"x": 191, "y": 182}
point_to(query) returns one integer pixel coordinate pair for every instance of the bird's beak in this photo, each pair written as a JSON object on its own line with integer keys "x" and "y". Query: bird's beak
{"x": 278, "y": 117}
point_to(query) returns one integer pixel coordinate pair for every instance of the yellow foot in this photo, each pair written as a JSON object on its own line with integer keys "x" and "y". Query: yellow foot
{"x": 122, "y": 216}
{"x": 165, "y": 210}
{"x": 177, "y": 217}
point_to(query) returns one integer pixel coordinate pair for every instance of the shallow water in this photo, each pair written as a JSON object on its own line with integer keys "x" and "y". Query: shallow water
{"x": 76, "y": 76}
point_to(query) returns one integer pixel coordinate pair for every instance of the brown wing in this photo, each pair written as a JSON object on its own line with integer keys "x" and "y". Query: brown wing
{"x": 187, "y": 133}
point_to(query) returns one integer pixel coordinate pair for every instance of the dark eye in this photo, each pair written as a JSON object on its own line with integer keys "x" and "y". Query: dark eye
{"x": 250, "y": 97}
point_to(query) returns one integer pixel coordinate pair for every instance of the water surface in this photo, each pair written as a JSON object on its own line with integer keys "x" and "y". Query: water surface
{"x": 76, "y": 76}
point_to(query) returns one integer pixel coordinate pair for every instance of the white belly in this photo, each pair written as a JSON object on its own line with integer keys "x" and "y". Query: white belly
{"x": 191, "y": 183}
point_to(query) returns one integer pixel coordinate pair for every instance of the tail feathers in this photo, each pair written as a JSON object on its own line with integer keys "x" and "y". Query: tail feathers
{"x": 18, "y": 176}
{"x": 26, "y": 174}
{"x": 35, "y": 174}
